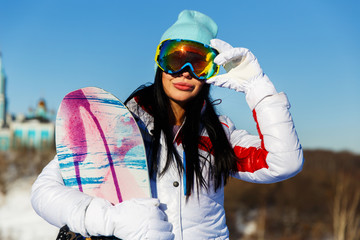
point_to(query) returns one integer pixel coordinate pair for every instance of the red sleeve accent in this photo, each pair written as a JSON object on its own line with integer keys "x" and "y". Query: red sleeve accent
{"x": 258, "y": 129}
{"x": 251, "y": 159}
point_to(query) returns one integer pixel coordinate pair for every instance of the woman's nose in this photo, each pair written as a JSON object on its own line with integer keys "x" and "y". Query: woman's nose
{"x": 186, "y": 74}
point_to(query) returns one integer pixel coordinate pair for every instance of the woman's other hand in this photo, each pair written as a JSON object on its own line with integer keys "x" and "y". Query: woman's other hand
{"x": 132, "y": 219}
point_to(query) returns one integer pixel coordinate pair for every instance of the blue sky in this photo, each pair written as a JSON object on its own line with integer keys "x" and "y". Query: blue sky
{"x": 309, "y": 49}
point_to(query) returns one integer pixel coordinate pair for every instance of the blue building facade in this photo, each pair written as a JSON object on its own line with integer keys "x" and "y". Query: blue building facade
{"x": 34, "y": 130}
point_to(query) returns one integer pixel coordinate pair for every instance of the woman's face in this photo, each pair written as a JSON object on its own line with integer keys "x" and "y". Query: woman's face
{"x": 181, "y": 87}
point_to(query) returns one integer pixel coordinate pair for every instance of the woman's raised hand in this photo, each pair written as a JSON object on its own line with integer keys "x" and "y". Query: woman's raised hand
{"x": 241, "y": 65}
{"x": 244, "y": 73}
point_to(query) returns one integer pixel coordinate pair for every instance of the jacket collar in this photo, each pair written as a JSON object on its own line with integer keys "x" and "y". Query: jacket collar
{"x": 145, "y": 116}
{"x": 142, "y": 115}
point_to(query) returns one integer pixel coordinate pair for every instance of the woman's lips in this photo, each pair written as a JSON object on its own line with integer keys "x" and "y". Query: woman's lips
{"x": 183, "y": 86}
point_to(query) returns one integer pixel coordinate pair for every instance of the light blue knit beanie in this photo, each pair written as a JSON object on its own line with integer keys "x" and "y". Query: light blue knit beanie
{"x": 192, "y": 25}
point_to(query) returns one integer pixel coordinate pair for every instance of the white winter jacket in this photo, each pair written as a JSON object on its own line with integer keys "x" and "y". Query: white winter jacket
{"x": 273, "y": 156}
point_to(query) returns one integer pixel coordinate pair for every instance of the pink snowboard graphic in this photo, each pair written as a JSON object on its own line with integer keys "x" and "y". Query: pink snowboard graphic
{"x": 99, "y": 146}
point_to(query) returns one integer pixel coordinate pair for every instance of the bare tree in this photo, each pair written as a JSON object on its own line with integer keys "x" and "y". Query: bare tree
{"x": 261, "y": 222}
{"x": 346, "y": 217}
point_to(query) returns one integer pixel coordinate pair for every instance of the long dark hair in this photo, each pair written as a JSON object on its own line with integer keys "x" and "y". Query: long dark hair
{"x": 154, "y": 98}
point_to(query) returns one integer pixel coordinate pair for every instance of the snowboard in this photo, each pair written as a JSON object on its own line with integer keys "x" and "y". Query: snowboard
{"x": 100, "y": 147}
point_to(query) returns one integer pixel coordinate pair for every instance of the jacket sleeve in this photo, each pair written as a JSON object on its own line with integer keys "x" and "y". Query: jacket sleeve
{"x": 57, "y": 204}
{"x": 275, "y": 154}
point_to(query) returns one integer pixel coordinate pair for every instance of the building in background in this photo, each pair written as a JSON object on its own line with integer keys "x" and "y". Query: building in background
{"x": 33, "y": 130}
{"x": 4, "y": 130}
{"x": 3, "y": 102}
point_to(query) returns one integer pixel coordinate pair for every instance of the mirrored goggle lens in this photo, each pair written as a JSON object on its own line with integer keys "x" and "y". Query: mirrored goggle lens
{"x": 175, "y": 54}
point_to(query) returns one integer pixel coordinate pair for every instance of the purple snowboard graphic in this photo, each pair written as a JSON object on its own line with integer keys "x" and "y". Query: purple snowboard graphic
{"x": 100, "y": 147}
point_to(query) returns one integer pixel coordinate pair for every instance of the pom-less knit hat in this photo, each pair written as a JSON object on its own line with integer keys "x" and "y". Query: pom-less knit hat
{"x": 192, "y": 25}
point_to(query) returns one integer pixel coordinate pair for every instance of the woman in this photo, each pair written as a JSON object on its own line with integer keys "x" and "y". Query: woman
{"x": 192, "y": 150}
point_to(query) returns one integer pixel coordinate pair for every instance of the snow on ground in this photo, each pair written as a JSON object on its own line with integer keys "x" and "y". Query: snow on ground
{"x": 17, "y": 218}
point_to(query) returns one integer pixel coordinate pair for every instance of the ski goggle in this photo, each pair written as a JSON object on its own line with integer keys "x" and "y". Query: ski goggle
{"x": 173, "y": 55}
